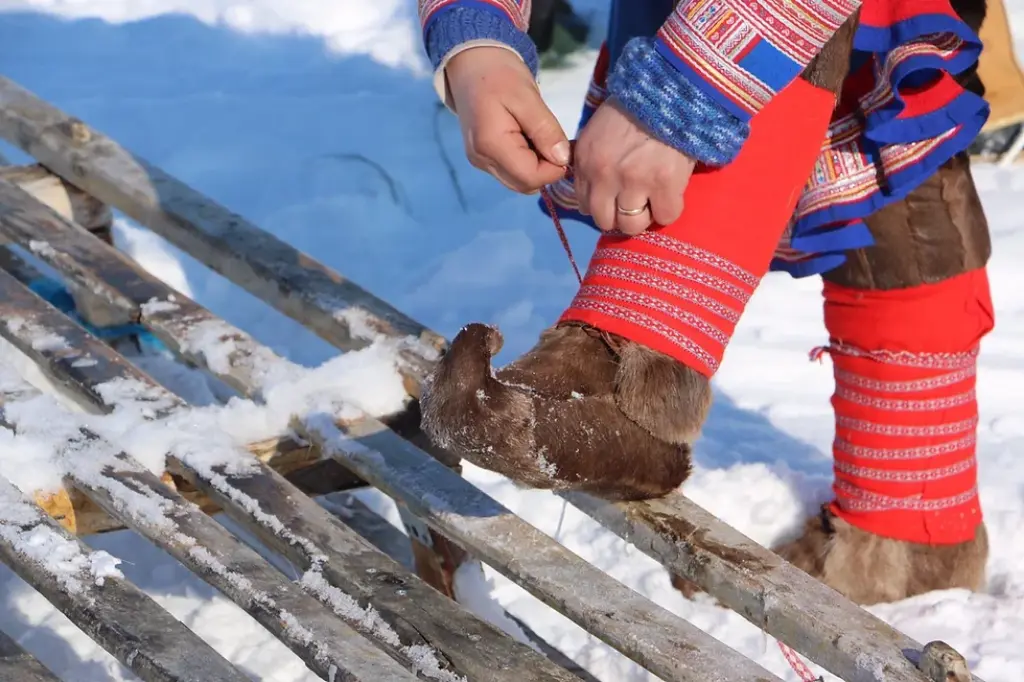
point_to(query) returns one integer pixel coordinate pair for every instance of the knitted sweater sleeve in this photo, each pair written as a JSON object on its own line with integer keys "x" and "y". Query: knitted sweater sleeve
{"x": 696, "y": 85}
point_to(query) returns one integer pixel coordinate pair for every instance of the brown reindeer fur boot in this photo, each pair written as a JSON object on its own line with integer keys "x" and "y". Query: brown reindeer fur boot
{"x": 582, "y": 410}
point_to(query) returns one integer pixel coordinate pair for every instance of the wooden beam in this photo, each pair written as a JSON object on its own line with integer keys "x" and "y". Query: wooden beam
{"x": 785, "y": 602}
{"x": 337, "y": 309}
{"x": 247, "y": 377}
{"x": 281, "y": 516}
{"x": 116, "y": 483}
{"x": 17, "y": 665}
{"x": 112, "y": 611}
{"x": 652, "y": 636}
{"x": 297, "y": 462}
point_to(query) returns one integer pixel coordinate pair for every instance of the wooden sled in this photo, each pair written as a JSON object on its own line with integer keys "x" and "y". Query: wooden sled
{"x": 418, "y": 632}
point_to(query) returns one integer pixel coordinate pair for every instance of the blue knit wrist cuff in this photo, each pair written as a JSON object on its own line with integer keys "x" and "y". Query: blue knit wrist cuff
{"x": 672, "y": 108}
{"x": 449, "y": 28}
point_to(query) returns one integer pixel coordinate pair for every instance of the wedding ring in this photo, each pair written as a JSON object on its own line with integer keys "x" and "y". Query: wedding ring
{"x": 632, "y": 211}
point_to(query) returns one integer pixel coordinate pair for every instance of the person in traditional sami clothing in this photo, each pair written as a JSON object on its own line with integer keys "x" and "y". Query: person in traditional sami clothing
{"x": 721, "y": 139}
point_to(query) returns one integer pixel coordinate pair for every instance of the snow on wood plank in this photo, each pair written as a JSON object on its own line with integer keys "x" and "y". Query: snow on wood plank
{"x": 658, "y": 640}
{"x": 17, "y": 665}
{"x": 771, "y": 593}
{"x": 127, "y": 491}
{"x": 361, "y": 584}
{"x": 667, "y": 645}
{"x": 89, "y": 589}
{"x": 233, "y": 356}
{"x": 335, "y": 308}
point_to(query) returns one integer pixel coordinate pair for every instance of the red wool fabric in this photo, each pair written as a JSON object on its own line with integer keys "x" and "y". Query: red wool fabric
{"x": 906, "y": 413}
{"x": 680, "y": 288}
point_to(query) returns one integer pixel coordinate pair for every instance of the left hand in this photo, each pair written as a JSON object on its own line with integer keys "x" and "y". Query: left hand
{"x": 618, "y": 165}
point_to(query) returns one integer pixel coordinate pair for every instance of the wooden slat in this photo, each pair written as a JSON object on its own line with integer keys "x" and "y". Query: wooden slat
{"x": 395, "y": 544}
{"x": 287, "y": 520}
{"x": 17, "y": 665}
{"x": 667, "y": 645}
{"x": 300, "y": 463}
{"x": 247, "y": 376}
{"x": 771, "y": 593}
{"x": 327, "y": 645}
{"x": 337, "y": 309}
{"x": 116, "y": 614}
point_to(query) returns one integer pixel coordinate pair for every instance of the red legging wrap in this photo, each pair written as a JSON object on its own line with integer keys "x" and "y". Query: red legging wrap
{"x": 904, "y": 360}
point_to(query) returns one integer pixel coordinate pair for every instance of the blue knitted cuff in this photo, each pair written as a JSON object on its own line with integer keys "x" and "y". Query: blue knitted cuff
{"x": 449, "y": 28}
{"x": 672, "y": 108}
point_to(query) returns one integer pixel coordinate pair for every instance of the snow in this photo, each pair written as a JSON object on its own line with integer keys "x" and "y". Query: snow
{"x": 316, "y": 119}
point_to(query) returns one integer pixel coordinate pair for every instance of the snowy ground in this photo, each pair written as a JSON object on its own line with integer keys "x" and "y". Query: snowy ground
{"x": 273, "y": 108}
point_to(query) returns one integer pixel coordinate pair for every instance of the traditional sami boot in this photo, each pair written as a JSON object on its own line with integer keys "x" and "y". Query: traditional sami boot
{"x": 611, "y": 398}
{"x": 905, "y": 318}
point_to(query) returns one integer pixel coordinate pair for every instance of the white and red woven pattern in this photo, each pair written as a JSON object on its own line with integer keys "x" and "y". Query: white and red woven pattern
{"x": 904, "y": 452}
{"x": 681, "y": 288}
{"x": 748, "y": 51}
{"x": 518, "y": 11}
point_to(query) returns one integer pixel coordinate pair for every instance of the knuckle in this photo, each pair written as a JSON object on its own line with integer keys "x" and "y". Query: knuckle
{"x": 634, "y": 174}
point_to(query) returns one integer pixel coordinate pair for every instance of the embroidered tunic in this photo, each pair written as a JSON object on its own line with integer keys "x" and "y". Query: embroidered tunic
{"x": 695, "y": 73}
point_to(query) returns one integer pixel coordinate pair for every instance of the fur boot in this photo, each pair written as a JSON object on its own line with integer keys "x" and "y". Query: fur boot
{"x": 582, "y": 410}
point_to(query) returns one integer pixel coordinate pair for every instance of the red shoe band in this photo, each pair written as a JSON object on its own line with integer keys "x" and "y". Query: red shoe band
{"x": 906, "y": 412}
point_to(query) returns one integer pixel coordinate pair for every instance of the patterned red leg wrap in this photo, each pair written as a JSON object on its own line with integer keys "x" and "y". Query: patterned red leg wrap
{"x": 680, "y": 288}
{"x": 906, "y": 414}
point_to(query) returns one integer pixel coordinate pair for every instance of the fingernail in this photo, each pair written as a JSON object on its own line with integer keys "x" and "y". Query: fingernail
{"x": 561, "y": 153}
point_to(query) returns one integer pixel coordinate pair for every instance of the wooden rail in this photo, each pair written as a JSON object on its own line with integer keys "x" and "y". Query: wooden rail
{"x": 667, "y": 645}
{"x": 787, "y": 604}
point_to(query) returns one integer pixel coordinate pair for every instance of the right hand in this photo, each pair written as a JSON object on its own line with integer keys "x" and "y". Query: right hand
{"x": 506, "y": 127}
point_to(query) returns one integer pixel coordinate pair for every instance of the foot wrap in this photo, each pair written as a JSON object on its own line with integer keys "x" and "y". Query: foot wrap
{"x": 906, "y": 413}
{"x": 680, "y": 288}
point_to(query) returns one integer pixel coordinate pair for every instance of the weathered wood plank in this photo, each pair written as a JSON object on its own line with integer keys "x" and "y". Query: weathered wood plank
{"x": 245, "y": 373}
{"x": 338, "y": 562}
{"x": 665, "y": 644}
{"x": 127, "y": 491}
{"x": 658, "y": 640}
{"x": 299, "y": 462}
{"x": 17, "y": 665}
{"x": 112, "y": 611}
{"x": 337, "y": 309}
{"x": 771, "y": 593}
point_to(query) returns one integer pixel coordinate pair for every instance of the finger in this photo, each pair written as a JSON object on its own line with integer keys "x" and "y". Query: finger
{"x": 540, "y": 126}
{"x": 602, "y": 206}
{"x": 666, "y": 204}
{"x": 630, "y": 200}
{"x": 509, "y": 158}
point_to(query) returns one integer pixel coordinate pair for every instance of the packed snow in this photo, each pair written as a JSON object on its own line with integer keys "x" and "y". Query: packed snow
{"x": 316, "y": 119}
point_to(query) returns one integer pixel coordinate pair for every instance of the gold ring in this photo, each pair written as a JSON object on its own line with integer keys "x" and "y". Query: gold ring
{"x": 632, "y": 211}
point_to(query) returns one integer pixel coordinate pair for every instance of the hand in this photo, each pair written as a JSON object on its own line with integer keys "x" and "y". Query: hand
{"x": 618, "y": 165}
{"x": 506, "y": 127}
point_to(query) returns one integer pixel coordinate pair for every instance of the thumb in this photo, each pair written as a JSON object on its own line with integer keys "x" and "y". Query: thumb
{"x": 541, "y": 127}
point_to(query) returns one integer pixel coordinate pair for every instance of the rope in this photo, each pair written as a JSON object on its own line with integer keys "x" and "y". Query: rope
{"x": 798, "y": 665}
{"x": 550, "y": 203}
